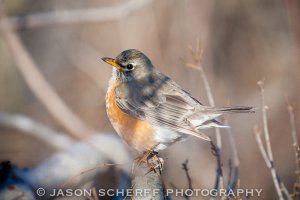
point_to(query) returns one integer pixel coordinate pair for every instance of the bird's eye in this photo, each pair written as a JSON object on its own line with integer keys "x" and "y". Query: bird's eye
{"x": 130, "y": 66}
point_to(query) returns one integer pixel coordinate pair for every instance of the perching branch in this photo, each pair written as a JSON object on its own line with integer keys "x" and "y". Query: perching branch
{"x": 100, "y": 14}
{"x": 147, "y": 183}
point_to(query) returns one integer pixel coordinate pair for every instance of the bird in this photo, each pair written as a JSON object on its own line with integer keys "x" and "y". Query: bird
{"x": 150, "y": 111}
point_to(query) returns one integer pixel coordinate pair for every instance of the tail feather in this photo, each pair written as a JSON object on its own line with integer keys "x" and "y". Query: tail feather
{"x": 212, "y": 124}
{"x": 234, "y": 109}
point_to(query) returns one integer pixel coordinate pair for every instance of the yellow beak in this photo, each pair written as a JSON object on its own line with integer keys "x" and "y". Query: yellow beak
{"x": 112, "y": 62}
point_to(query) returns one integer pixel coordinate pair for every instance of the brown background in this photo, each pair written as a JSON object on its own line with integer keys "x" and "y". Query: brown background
{"x": 243, "y": 42}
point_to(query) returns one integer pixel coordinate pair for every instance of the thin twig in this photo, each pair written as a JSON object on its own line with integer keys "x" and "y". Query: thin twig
{"x": 186, "y": 170}
{"x": 238, "y": 187}
{"x": 42, "y": 89}
{"x": 86, "y": 15}
{"x": 265, "y": 121}
{"x": 267, "y": 140}
{"x": 232, "y": 182}
{"x": 285, "y": 191}
{"x": 219, "y": 176}
{"x": 257, "y": 132}
{"x": 197, "y": 56}
{"x": 296, "y": 190}
{"x": 95, "y": 195}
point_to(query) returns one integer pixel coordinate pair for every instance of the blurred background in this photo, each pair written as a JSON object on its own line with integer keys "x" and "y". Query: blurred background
{"x": 242, "y": 41}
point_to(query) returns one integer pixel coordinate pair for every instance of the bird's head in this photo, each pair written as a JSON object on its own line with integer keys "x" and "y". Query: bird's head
{"x": 131, "y": 64}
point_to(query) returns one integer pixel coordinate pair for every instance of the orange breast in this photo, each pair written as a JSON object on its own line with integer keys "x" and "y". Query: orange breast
{"x": 138, "y": 134}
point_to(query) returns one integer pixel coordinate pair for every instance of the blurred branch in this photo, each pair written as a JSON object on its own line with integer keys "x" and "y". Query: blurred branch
{"x": 75, "y": 16}
{"x": 282, "y": 188}
{"x": 296, "y": 191}
{"x": 234, "y": 167}
{"x": 267, "y": 154}
{"x": 186, "y": 170}
{"x": 293, "y": 13}
{"x": 42, "y": 89}
{"x": 79, "y": 163}
{"x": 14, "y": 191}
{"x": 27, "y": 125}
{"x": 219, "y": 175}
{"x": 82, "y": 55}
{"x": 95, "y": 195}
{"x": 262, "y": 150}
{"x": 265, "y": 121}
{"x": 197, "y": 56}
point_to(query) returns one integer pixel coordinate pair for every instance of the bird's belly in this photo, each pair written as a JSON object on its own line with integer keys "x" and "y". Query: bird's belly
{"x": 165, "y": 137}
{"x": 138, "y": 134}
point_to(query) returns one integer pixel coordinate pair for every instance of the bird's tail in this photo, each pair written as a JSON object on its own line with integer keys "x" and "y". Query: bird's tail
{"x": 234, "y": 109}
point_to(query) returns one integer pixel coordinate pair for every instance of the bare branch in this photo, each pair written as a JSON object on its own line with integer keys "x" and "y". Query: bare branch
{"x": 296, "y": 191}
{"x": 75, "y": 16}
{"x": 232, "y": 143}
{"x": 290, "y": 109}
{"x": 80, "y": 163}
{"x": 232, "y": 182}
{"x": 95, "y": 195}
{"x": 82, "y": 55}
{"x": 27, "y": 125}
{"x": 267, "y": 140}
{"x": 197, "y": 56}
{"x": 42, "y": 89}
{"x": 219, "y": 174}
{"x": 186, "y": 170}
{"x": 265, "y": 121}
{"x": 269, "y": 164}
{"x": 285, "y": 191}
{"x": 261, "y": 147}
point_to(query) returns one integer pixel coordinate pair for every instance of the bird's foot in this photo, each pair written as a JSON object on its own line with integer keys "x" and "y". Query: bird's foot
{"x": 156, "y": 164}
{"x": 153, "y": 161}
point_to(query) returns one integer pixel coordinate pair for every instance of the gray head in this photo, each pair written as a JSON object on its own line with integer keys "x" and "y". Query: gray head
{"x": 131, "y": 64}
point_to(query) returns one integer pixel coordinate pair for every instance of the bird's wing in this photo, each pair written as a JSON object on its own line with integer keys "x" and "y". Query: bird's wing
{"x": 164, "y": 104}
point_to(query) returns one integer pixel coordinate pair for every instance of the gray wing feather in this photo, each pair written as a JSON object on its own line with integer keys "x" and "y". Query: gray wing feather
{"x": 162, "y": 102}
{"x": 165, "y": 105}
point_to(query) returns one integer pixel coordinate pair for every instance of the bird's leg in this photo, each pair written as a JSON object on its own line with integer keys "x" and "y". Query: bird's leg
{"x": 152, "y": 159}
{"x": 141, "y": 159}
{"x": 155, "y": 162}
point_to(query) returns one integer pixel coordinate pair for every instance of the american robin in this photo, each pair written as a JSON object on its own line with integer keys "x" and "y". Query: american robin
{"x": 149, "y": 110}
